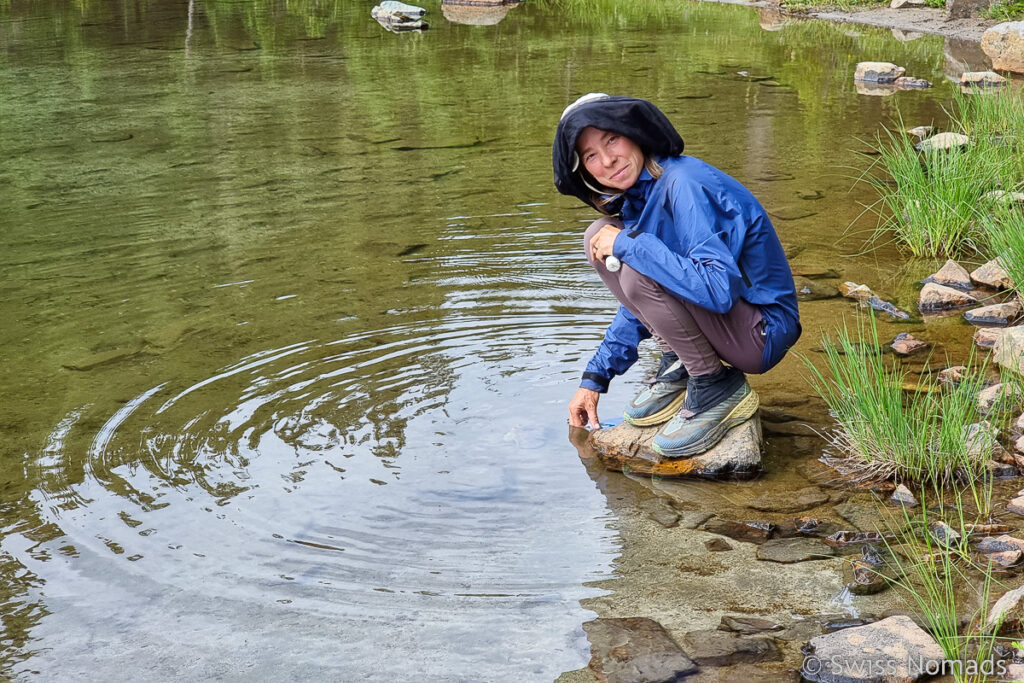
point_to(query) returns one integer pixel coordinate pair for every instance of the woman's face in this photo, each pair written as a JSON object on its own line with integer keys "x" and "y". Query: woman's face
{"x": 614, "y": 160}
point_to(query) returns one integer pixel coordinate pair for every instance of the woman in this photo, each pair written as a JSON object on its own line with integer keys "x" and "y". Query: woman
{"x": 702, "y": 270}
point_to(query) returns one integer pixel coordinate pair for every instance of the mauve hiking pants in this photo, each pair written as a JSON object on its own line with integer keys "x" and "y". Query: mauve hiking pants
{"x": 702, "y": 339}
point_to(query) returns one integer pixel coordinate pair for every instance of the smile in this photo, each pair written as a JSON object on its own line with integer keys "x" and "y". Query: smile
{"x": 615, "y": 176}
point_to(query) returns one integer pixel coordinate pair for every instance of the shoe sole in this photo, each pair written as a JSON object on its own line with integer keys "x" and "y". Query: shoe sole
{"x": 743, "y": 411}
{"x": 660, "y": 417}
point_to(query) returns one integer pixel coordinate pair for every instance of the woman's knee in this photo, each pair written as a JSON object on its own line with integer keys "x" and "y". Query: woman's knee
{"x": 639, "y": 288}
{"x": 594, "y": 228}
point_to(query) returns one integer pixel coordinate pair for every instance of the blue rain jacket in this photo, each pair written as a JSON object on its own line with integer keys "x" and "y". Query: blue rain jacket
{"x": 705, "y": 238}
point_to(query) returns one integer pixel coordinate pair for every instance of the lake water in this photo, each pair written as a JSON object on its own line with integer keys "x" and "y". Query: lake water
{"x": 292, "y": 312}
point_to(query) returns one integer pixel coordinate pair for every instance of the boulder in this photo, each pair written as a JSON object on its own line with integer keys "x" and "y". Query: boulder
{"x": 635, "y": 650}
{"x": 994, "y": 315}
{"x": 1004, "y": 44}
{"x": 981, "y": 79}
{"x": 905, "y": 344}
{"x": 1006, "y": 613}
{"x": 627, "y": 448}
{"x": 852, "y": 654}
{"x": 912, "y": 83}
{"x": 992, "y": 274}
{"x": 722, "y": 648}
{"x": 935, "y": 297}
{"x": 791, "y": 550}
{"x": 1008, "y": 349}
{"x": 965, "y": 9}
{"x": 951, "y": 274}
{"x": 943, "y": 142}
{"x": 985, "y": 337}
{"x": 878, "y": 72}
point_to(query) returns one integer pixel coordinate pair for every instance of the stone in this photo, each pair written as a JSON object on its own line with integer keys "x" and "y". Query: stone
{"x": 747, "y": 625}
{"x": 721, "y": 648}
{"x": 905, "y": 344}
{"x": 789, "y": 501}
{"x": 661, "y": 512}
{"x": 750, "y": 532}
{"x": 998, "y": 398}
{"x": 1005, "y": 558}
{"x": 981, "y": 79}
{"x": 1018, "y": 445}
{"x": 965, "y": 9}
{"x": 810, "y": 290}
{"x": 477, "y": 13}
{"x": 1000, "y": 470}
{"x": 804, "y": 527}
{"x": 903, "y": 496}
{"x": 1006, "y": 551}
{"x": 635, "y": 650}
{"x": 814, "y": 272}
{"x": 994, "y": 315}
{"x": 985, "y": 337}
{"x": 1004, "y": 44}
{"x": 627, "y": 448}
{"x": 848, "y": 656}
{"x": 878, "y": 72}
{"x": 791, "y": 550}
{"x": 951, "y": 274}
{"x": 717, "y": 545}
{"x": 912, "y": 83}
{"x": 397, "y": 16}
{"x": 953, "y": 375}
{"x": 1005, "y": 613}
{"x": 863, "y": 578}
{"x": 943, "y": 142}
{"x": 854, "y": 291}
{"x": 920, "y": 131}
{"x": 1008, "y": 349}
{"x": 1004, "y": 197}
{"x": 943, "y": 534}
{"x": 936, "y": 297}
{"x": 860, "y": 515}
{"x": 992, "y": 274}
{"x": 691, "y": 519}
{"x": 980, "y": 439}
{"x": 1016, "y": 505}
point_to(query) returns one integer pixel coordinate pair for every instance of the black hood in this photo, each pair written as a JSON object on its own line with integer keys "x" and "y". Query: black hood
{"x": 637, "y": 119}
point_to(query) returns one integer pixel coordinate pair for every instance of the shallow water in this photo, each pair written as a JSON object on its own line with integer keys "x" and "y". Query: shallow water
{"x": 292, "y": 312}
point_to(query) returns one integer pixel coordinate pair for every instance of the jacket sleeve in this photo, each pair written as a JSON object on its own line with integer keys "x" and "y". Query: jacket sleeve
{"x": 617, "y": 353}
{"x": 706, "y": 273}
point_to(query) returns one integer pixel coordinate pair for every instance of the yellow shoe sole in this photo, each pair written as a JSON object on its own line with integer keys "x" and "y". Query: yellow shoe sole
{"x": 660, "y": 417}
{"x": 743, "y": 411}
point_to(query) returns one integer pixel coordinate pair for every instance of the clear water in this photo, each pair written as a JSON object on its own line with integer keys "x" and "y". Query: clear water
{"x": 291, "y": 313}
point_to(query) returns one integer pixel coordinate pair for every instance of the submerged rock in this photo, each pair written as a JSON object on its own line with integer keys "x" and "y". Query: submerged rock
{"x": 717, "y": 545}
{"x": 750, "y": 532}
{"x": 865, "y": 577}
{"x": 804, "y": 499}
{"x": 905, "y": 344}
{"x": 941, "y": 298}
{"x": 747, "y": 625}
{"x": 912, "y": 83}
{"x": 863, "y": 294}
{"x": 943, "y": 534}
{"x": 791, "y": 550}
{"x": 810, "y": 290}
{"x": 951, "y": 274}
{"x": 878, "y": 72}
{"x": 1016, "y": 505}
{"x": 992, "y": 274}
{"x": 721, "y": 648}
{"x": 943, "y": 142}
{"x": 953, "y": 375}
{"x": 981, "y": 79}
{"x": 996, "y": 314}
{"x": 850, "y": 655}
{"x": 1004, "y": 44}
{"x": 627, "y": 448}
{"x": 635, "y": 650}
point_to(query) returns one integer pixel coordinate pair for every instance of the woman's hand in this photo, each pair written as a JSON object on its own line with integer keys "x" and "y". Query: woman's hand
{"x": 583, "y": 409}
{"x": 601, "y": 244}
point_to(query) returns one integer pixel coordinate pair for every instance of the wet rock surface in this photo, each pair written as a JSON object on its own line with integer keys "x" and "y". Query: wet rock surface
{"x": 994, "y": 315}
{"x": 635, "y": 650}
{"x": 790, "y": 550}
{"x": 982, "y": 79}
{"x": 860, "y": 515}
{"x": 878, "y": 72}
{"x": 812, "y": 290}
{"x": 796, "y": 501}
{"x": 723, "y": 648}
{"x": 985, "y": 337}
{"x": 628, "y": 449}
{"x": 936, "y": 297}
{"x": 1006, "y": 612}
{"x": 747, "y": 625}
{"x": 903, "y": 496}
{"x": 717, "y": 545}
{"x": 749, "y": 532}
{"x": 905, "y": 344}
{"x": 847, "y": 656}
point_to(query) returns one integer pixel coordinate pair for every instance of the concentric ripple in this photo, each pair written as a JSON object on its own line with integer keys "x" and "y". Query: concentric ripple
{"x": 387, "y": 503}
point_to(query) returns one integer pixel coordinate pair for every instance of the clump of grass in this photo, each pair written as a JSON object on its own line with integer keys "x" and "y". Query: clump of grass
{"x": 1006, "y": 11}
{"x": 1005, "y": 229}
{"x": 917, "y": 436}
{"x": 994, "y": 120}
{"x": 930, "y": 200}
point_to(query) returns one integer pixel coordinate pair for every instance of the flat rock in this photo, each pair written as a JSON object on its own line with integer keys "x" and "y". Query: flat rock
{"x": 860, "y": 515}
{"x": 847, "y": 656}
{"x": 1008, "y": 349}
{"x": 1004, "y": 44}
{"x": 750, "y": 532}
{"x": 878, "y": 72}
{"x": 635, "y": 650}
{"x": 804, "y": 499}
{"x": 627, "y": 448}
{"x": 935, "y": 297}
{"x": 981, "y": 79}
{"x": 747, "y": 625}
{"x": 992, "y": 274}
{"x": 790, "y": 550}
{"x": 912, "y": 83}
{"x": 661, "y": 512}
{"x": 811, "y": 290}
{"x": 985, "y": 337}
{"x": 807, "y": 527}
{"x": 1016, "y": 505}
{"x": 814, "y": 272}
{"x": 691, "y": 519}
{"x": 721, "y": 648}
{"x": 943, "y": 142}
{"x": 994, "y": 315}
{"x": 1006, "y": 612}
{"x": 951, "y": 274}
{"x": 853, "y": 290}
{"x": 905, "y": 344}
{"x": 920, "y": 132}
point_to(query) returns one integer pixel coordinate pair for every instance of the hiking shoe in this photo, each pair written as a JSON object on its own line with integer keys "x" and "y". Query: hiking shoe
{"x": 655, "y": 404}
{"x": 690, "y": 433}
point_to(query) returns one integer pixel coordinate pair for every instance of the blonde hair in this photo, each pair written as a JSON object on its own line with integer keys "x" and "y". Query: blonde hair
{"x": 603, "y": 201}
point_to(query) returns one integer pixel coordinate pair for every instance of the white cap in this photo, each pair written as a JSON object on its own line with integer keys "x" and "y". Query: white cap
{"x": 589, "y": 97}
